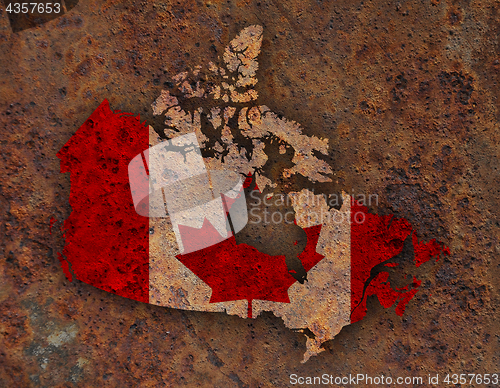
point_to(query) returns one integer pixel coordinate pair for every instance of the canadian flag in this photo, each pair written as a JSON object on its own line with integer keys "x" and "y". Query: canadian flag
{"x": 146, "y": 232}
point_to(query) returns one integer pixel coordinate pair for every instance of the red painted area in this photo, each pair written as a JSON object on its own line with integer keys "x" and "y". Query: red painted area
{"x": 425, "y": 251}
{"x": 248, "y": 181}
{"x": 107, "y": 242}
{"x": 407, "y": 296}
{"x": 237, "y": 272}
{"x": 65, "y": 266}
{"x": 388, "y": 296}
{"x": 374, "y": 241}
{"x": 52, "y": 222}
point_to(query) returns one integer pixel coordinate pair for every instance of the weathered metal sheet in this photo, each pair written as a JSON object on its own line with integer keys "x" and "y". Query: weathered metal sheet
{"x": 407, "y": 95}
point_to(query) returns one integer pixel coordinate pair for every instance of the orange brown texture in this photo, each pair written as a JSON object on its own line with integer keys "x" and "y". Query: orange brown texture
{"x": 406, "y": 92}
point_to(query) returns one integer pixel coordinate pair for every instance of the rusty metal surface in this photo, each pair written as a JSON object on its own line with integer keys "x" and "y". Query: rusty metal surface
{"x": 407, "y": 93}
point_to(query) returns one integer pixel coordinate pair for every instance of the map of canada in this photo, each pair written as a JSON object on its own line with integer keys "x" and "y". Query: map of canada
{"x": 314, "y": 269}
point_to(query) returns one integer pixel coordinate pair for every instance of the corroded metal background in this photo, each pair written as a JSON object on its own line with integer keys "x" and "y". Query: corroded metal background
{"x": 407, "y": 92}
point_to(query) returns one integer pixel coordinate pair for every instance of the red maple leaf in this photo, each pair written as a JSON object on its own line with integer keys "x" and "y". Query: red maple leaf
{"x": 239, "y": 271}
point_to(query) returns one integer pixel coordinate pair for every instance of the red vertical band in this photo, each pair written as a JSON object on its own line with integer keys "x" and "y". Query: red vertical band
{"x": 107, "y": 242}
{"x": 376, "y": 245}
